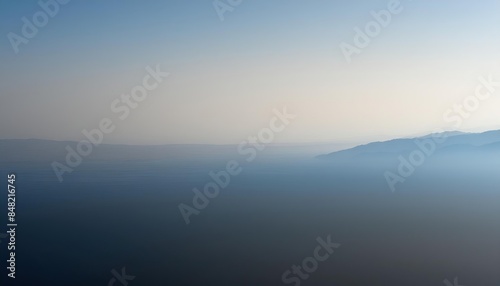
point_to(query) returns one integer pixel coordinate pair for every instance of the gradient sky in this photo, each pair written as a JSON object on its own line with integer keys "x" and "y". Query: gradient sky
{"x": 227, "y": 76}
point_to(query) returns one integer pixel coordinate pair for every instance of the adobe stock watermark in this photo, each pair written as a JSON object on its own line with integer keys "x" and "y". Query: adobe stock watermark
{"x": 49, "y": 9}
{"x": 310, "y": 264}
{"x": 121, "y": 107}
{"x": 363, "y": 37}
{"x": 123, "y": 278}
{"x": 455, "y": 282}
{"x": 223, "y": 6}
{"x": 248, "y": 148}
{"x": 426, "y": 147}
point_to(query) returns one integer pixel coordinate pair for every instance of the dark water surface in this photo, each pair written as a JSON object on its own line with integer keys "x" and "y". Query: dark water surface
{"x": 442, "y": 223}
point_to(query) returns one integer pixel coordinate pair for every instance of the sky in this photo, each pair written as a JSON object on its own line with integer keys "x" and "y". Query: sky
{"x": 226, "y": 76}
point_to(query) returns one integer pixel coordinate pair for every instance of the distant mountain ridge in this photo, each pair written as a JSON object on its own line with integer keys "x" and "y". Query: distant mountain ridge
{"x": 455, "y": 142}
{"x": 47, "y": 151}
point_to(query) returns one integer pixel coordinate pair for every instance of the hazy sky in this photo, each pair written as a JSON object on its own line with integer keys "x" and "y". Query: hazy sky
{"x": 227, "y": 76}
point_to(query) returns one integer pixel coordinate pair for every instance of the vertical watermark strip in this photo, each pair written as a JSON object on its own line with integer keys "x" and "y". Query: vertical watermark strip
{"x": 11, "y": 224}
